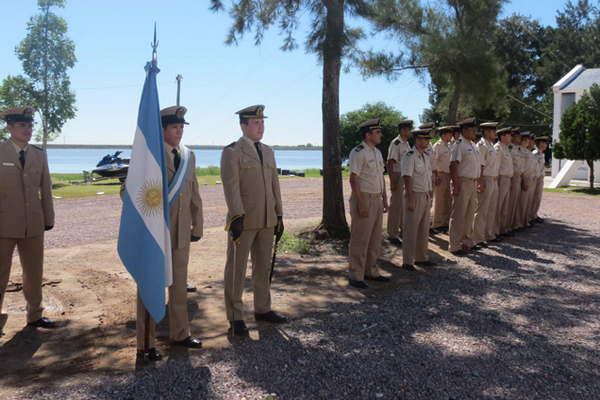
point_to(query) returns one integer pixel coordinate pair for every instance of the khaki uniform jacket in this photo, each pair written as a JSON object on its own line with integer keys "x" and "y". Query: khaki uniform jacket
{"x": 186, "y": 213}
{"x": 251, "y": 189}
{"x": 26, "y": 205}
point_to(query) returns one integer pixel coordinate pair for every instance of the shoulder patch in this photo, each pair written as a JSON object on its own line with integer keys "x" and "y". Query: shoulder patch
{"x": 359, "y": 147}
{"x": 397, "y": 142}
{"x": 230, "y": 145}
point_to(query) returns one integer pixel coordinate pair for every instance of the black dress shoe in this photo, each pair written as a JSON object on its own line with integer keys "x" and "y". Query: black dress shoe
{"x": 483, "y": 245}
{"x": 539, "y": 220}
{"x": 191, "y": 288}
{"x": 271, "y": 317}
{"x": 189, "y": 343}
{"x": 238, "y": 328}
{"x": 425, "y": 263}
{"x": 496, "y": 239}
{"x": 408, "y": 267}
{"x": 43, "y": 323}
{"x": 377, "y": 278}
{"x": 151, "y": 355}
{"x": 395, "y": 241}
{"x": 461, "y": 252}
{"x": 358, "y": 284}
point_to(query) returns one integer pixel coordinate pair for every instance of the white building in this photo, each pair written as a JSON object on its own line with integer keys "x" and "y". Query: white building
{"x": 567, "y": 91}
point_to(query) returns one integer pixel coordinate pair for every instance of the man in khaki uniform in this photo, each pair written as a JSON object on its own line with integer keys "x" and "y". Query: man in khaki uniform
{"x": 368, "y": 202}
{"x": 455, "y": 136}
{"x": 529, "y": 179}
{"x": 26, "y": 211}
{"x": 396, "y": 151}
{"x": 516, "y": 184}
{"x": 539, "y": 153}
{"x": 487, "y": 199}
{"x": 465, "y": 169}
{"x": 505, "y": 174}
{"x": 254, "y": 218}
{"x": 186, "y": 225}
{"x": 440, "y": 163}
{"x": 417, "y": 175}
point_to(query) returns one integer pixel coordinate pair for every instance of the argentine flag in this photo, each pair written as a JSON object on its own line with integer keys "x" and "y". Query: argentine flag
{"x": 144, "y": 240}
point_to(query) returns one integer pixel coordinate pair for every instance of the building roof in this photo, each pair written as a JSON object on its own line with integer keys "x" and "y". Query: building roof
{"x": 578, "y": 79}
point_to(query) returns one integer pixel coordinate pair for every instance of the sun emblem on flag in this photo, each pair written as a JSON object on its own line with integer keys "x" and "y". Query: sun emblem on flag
{"x": 150, "y": 198}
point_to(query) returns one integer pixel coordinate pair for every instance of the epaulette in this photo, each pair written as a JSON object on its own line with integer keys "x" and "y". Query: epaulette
{"x": 230, "y": 146}
{"x": 397, "y": 142}
{"x": 36, "y": 147}
{"x": 359, "y": 147}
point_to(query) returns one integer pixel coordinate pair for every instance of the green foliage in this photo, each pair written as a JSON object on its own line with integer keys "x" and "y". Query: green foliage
{"x": 294, "y": 244}
{"x": 208, "y": 171}
{"x": 450, "y": 41}
{"x": 580, "y": 130}
{"x": 47, "y": 54}
{"x": 15, "y": 91}
{"x": 389, "y": 125}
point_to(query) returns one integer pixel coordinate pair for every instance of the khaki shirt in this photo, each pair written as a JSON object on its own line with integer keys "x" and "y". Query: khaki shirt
{"x": 469, "y": 165}
{"x": 251, "y": 188}
{"x": 490, "y": 159}
{"x": 397, "y": 150}
{"x": 531, "y": 164}
{"x": 418, "y": 166}
{"x": 367, "y": 164}
{"x": 519, "y": 158}
{"x": 541, "y": 159}
{"x": 186, "y": 213}
{"x": 506, "y": 163}
{"x": 26, "y": 205}
{"x": 440, "y": 160}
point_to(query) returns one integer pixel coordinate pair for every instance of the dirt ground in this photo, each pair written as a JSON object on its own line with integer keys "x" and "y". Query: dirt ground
{"x": 92, "y": 295}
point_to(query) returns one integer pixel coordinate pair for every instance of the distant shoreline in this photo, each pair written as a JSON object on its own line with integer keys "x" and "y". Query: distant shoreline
{"x": 193, "y": 147}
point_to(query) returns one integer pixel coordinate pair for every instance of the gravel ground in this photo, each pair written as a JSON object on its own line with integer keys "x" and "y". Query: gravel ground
{"x": 93, "y": 219}
{"x": 518, "y": 320}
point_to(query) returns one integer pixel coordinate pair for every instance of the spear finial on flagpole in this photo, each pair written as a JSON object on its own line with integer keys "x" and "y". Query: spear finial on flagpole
{"x": 154, "y": 45}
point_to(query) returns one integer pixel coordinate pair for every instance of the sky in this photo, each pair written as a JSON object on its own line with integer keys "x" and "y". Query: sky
{"x": 112, "y": 39}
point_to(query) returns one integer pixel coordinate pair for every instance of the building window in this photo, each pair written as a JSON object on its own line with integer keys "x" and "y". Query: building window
{"x": 567, "y": 100}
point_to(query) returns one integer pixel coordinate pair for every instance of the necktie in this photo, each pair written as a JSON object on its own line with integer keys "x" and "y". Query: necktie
{"x": 22, "y": 158}
{"x": 176, "y": 159}
{"x": 258, "y": 149}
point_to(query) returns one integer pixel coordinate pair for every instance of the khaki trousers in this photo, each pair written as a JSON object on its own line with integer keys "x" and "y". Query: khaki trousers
{"x": 526, "y": 201}
{"x": 258, "y": 244}
{"x": 179, "y": 325}
{"x": 485, "y": 213}
{"x": 31, "y": 254}
{"x": 503, "y": 214}
{"x": 537, "y": 197}
{"x": 515, "y": 199}
{"x": 442, "y": 201}
{"x": 415, "y": 233}
{"x": 365, "y": 237}
{"x": 462, "y": 215}
{"x": 394, "y": 219}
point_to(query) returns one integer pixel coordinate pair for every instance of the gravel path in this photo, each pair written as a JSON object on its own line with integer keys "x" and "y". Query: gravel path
{"x": 93, "y": 219}
{"x": 519, "y": 320}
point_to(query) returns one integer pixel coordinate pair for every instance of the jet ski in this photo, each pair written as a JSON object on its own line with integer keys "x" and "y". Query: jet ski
{"x": 112, "y": 166}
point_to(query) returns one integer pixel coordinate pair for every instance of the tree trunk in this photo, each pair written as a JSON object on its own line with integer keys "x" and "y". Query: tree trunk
{"x": 454, "y": 102}
{"x": 334, "y": 214}
{"x": 590, "y": 164}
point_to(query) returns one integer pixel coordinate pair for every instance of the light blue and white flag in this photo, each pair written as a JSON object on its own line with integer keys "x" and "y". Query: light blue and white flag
{"x": 144, "y": 239}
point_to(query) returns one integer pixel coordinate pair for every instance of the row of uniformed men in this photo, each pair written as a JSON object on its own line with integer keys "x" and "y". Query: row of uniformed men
{"x": 477, "y": 191}
{"x": 254, "y": 219}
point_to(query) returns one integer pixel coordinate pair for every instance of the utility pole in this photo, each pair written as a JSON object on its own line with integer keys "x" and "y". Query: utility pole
{"x": 179, "y": 78}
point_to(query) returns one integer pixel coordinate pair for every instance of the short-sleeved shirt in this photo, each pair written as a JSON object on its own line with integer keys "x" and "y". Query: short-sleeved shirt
{"x": 541, "y": 159}
{"x": 490, "y": 160}
{"x": 440, "y": 160}
{"x": 397, "y": 149}
{"x": 418, "y": 166}
{"x": 469, "y": 165}
{"x": 506, "y": 167}
{"x": 519, "y": 157}
{"x": 367, "y": 163}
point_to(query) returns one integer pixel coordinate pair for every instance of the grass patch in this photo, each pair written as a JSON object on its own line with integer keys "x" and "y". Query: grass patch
{"x": 575, "y": 190}
{"x": 293, "y": 244}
